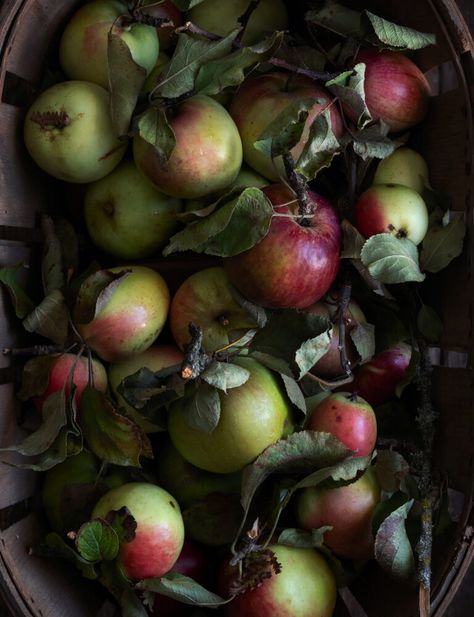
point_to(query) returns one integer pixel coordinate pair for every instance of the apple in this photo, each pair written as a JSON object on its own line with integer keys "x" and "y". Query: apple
{"x": 166, "y": 10}
{"x": 69, "y": 133}
{"x": 83, "y": 45}
{"x": 208, "y": 152}
{"x": 348, "y": 510}
{"x": 205, "y": 299}
{"x": 126, "y": 216}
{"x": 153, "y": 78}
{"x": 404, "y": 166}
{"x": 154, "y": 358}
{"x": 305, "y": 587}
{"x": 349, "y": 418}
{"x": 222, "y": 17}
{"x": 396, "y": 91}
{"x": 129, "y": 314}
{"x": 253, "y": 416}
{"x": 394, "y": 209}
{"x": 159, "y": 535}
{"x": 260, "y": 99}
{"x": 295, "y": 264}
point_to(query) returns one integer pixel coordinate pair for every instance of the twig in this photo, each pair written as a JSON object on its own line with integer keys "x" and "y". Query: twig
{"x": 306, "y": 206}
{"x": 196, "y": 360}
{"x": 345, "y": 299}
{"x": 245, "y": 18}
{"x": 331, "y": 384}
{"x": 36, "y": 350}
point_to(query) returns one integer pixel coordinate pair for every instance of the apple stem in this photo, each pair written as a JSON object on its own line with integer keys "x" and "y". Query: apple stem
{"x": 306, "y": 206}
{"x": 346, "y": 292}
{"x": 330, "y": 384}
{"x": 196, "y": 360}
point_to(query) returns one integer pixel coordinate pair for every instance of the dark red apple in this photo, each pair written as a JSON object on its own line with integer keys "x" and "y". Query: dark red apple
{"x": 166, "y": 10}
{"x": 295, "y": 263}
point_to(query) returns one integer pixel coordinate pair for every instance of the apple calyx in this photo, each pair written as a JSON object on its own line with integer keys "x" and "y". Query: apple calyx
{"x": 257, "y": 566}
{"x": 149, "y": 20}
{"x": 196, "y": 360}
{"x": 51, "y": 119}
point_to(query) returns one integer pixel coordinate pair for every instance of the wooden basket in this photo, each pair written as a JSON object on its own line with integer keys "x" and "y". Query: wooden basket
{"x": 28, "y": 31}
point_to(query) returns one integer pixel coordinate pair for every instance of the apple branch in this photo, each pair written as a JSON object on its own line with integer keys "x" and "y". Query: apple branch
{"x": 306, "y": 206}
{"x": 35, "y": 350}
{"x": 346, "y": 292}
{"x": 196, "y": 360}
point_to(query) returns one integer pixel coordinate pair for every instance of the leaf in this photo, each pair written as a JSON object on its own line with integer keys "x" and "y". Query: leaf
{"x": 185, "y": 5}
{"x": 391, "y": 260}
{"x": 393, "y": 551}
{"x": 399, "y": 37}
{"x": 303, "y": 56}
{"x": 21, "y": 302}
{"x": 429, "y": 324}
{"x": 372, "y": 142}
{"x": 35, "y": 377}
{"x": 123, "y": 523}
{"x": 154, "y": 128}
{"x": 97, "y": 541}
{"x": 320, "y": 148}
{"x": 255, "y": 312}
{"x": 55, "y": 547}
{"x": 94, "y": 291}
{"x": 232, "y": 228}
{"x": 339, "y": 19}
{"x": 69, "y": 247}
{"x": 349, "y": 88}
{"x": 352, "y": 241}
{"x": 299, "y": 538}
{"x": 51, "y": 265}
{"x": 363, "y": 337}
{"x": 183, "y": 589}
{"x": 391, "y": 470}
{"x": 50, "y": 318}
{"x": 294, "y": 392}
{"x": 410, "y": 373}
{"x": 126, "y": 79}
{"x": 341, "y": 473}
{"x": 214, "y": 520}
{"x": 442, "y": 244}
{"x": 203, "y": 409}
{"x": 131, "y": 605}
{"x": 311, "y": 351}
{"x": 224, "y": 375}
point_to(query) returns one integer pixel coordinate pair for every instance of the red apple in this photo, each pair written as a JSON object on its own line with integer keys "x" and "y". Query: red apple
{"x": 166, "y": 10}
{"x": 296, "y": 263}
{"x": 349, "y": 418}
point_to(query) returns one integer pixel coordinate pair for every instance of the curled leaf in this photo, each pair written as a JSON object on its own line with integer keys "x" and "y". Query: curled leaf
{"x": 391, "y": 260}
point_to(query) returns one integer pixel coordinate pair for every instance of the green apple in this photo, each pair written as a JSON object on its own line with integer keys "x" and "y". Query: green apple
{"x": 69, "y": 133}
{"x": 406, "y": 167}
{"x": 126, "y": 216}
{"x": 83, "y": 46}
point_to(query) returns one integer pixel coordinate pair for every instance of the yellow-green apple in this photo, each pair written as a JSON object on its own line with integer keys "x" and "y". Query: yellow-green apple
{"x": 159, "y": 534}
{"x": 396, "y": 91}
{"x": 222, "y": 17}
{"x": 126, "y": 216}
{"x": 253, "y": 416}
{"x": 129, "y": 314}
{"x": 166, "y": 10}
{"x": 394, "y": 209}
{"x": 261, "y": 98}
{"x": 69, "y": 133}
{"x": 206, "y": 300}
{"x": 404, "y": 166}
{"x": 207, "y": 155}
{"x": 305, "y": 587}
{"x": 153, "y": 78}
{"x": 349, "y": 418}
{"x": 296, "y": 262}
{"x": 83, "y": 46}
{"x": 348, "y": 510}
{"x": 154, "y": 358}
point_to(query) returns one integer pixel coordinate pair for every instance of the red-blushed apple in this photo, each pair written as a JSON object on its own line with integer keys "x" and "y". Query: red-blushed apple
{"x": 159, "y": 535}
{"x": 166, "y": 10}
{"x": 305, "y": 587}
{"x": 154, "y": 358}
{"x": 126, "y": 216}
{"x": 349, "y": 418}
{"x": 296, "y": 262}
{"x": 222, "y": 17}
{"x": 69, "y": 133}
{"x": 348, "y": 510}
{"x": 404, "y": 166}
{"x": 207, "y": 155}
{"x": 253, "y": 416}
{"x": 129, "y": 314}
{"x": 205, "y": 299}
{"x": 396, "y": 91}
{"x": 261, "y": 98}
{"x": 394, "y": 209}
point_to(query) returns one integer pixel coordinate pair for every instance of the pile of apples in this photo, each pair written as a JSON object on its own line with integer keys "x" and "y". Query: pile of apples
{"x": 156, "y": 176}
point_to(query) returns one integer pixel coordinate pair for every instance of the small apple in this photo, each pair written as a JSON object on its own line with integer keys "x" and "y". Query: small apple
{"x": 129, "y": 314}
{"x": 305, "y": 587}
{"x": 205, "y": 299}
{"x": 295, "y": 264}
{"x": 348, "y": 510}
{"x": 126, "y": 216}
{"x": 69, "y": 133}
{"x": 166, "y": 10}
{"x": 83, "y": 46}
{"x": 253, "y": 416}
{"x": 404, "y": 166}
{"x": 208, "y": 152}
{"x": 159, "y": 535}
{"x": 349, "y": 418}
{"x": 394, "y": 209}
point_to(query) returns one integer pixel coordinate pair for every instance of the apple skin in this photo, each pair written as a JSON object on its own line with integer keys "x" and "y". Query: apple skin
{"x": 404, "y": 166}
{"x": 205, "y": 299}
{"x": 253, "y": 416}
{"x": 128, "y": 322}
{"x": 348, "y": 509}
{"x": 260, "y": 99}
{"x": 294, "y": 265}
{"x": 83, "y": 45}
{"x": 394, "y": 209}
{"x": 349, "y": 418}
{"x": 305, "y": 587}
{"x": 159, "y": 534}
{"x": 165, "y": 9}
{"x": 126, "y": 216}
{"x": 83, "y": 149}
{"x": 396, "y": 91}
{"x": 208, "y": 152}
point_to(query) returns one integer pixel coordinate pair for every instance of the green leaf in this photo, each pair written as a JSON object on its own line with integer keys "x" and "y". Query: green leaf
{"x": 94, "y": 292}
{"x": 399, "y": 37}
{"x": 183, "y": 589}
{"x": 35, "y": 377}
{"x": 51, "y": 266}
{"x": 391, "y": 260}
{"x": 154, "y": 128}
{"x": 69, "y": 247}
{"x": 363, "y": 337}
{"x": 303, "y": 56}
{"x": 50, "y": 318}
{"x": 255, "y": 312}
{"x": 131, "y": 605}
{"x": 339, "y": 19}
{"x": 126, "y": 79}
{"x": 393, "y": 551}
{"x": 294, "y": 392}
{"x": 21, "y": 302}
{"x": 55, "y": 547}
{"x": 352, "y": 241}
{"x": 232, "y": 228}
{"x": 410, "y": 373}
{"x": 320, "y": 148}
{"x": 185, "y": 5}
{"x": 214, "y": 520}
{"x": 372, "y": 142}
{"x": 429, "y": 324}
{"x": 385, "y": 507}
{"x": 311, "y": 351}
{"x": 340, "y": 474}
{"x": 442, "y": 244}
{"x": 97, "y": 541}
{"x": 299, "y": 538}
{"x": 224, "y": 375}
{"x": 349, "y": 88}
{"x": 391, "y": 470}
{"x": 203, "y": 409}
